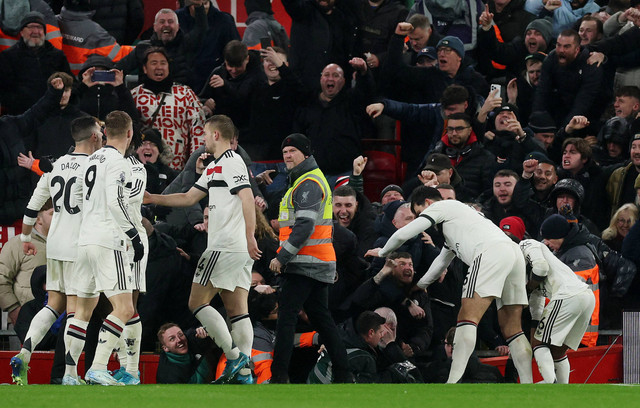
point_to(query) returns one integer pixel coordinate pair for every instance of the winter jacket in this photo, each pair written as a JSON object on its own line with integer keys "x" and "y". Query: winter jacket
{"x": 10, "y": 28}
{"x": 264, "y": 25}
{"x": 565, "y": 16}
{"x": 123, "y": 19}
{"x": 452, "y": 17}
{"x": 615, "y": 185}
{"x": 25, "y": 72}
{"x": 512, "y": 20}
{"x": 16, "y": 269}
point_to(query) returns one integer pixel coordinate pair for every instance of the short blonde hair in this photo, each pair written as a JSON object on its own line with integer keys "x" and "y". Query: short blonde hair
{"x": 612, "y": 231}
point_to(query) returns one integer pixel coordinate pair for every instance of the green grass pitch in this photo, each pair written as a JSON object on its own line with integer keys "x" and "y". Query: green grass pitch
{"x": 324, "y": 396}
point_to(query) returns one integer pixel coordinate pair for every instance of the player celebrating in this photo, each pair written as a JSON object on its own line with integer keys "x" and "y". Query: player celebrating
{"x": 103, "y": 263}
{"x": 62, "y": 242}
{"x": 225, "y": 267}
{"x": 564, "y": 320}
{"x": 497, "y": 272}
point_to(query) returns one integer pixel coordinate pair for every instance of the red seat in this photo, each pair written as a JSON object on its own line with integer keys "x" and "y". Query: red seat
{"x": 382, "y": 168}
{"x": 9, "y": 231}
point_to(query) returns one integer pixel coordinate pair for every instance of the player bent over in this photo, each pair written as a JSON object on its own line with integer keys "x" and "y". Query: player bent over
{"x": 225, "y": 267}
{"x": 497, "y": 271}
{"x": 564, "y": 320}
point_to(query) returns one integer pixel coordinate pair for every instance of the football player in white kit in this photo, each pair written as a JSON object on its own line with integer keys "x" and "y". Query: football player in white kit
{"x": 564, "y": 320}
{"x": 62, "y": 242}
{"x": 128, "y": 348}
{"x": 103, "y": 263}
{"x": 497, "y": 271}
{"x": 225, "y": 267}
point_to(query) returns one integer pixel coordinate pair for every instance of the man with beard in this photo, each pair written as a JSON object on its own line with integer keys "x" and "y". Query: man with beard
{"x": 26, "y": 66}
{"x": 180, "y": 48}
{"x": 568, "y": 85}
{"x": 173, "y": 109}
{"x": 620, "y": 187}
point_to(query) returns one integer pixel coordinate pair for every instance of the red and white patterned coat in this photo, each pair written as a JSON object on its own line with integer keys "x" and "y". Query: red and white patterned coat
{"x": 180, "y": 120}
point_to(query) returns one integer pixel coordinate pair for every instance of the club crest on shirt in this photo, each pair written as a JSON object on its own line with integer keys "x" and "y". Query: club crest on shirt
{"x": 121, "y": 177}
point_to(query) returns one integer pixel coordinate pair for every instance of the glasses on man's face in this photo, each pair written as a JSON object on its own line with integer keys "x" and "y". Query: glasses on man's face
{"x": 456, "y": 129}
{"x": 444, "y": 50}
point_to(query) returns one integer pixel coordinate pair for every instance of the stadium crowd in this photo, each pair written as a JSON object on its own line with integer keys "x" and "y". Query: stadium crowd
{"x": 526, "y": 110}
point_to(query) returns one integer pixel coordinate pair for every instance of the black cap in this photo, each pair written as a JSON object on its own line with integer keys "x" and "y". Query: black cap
{"x": 33, "y": 17}
{"x": 542, "y": 122}
{"x": 436, "y": 162}
{"x": 391, "y": 187}
{"x": 555, "y": 227}
{"x": 508, "y": 108}
{"x": 299, "y": 141}
{"x": 537, "y": 56}
{"x": 540, "y": 157}
{"x": 429, "y": 52}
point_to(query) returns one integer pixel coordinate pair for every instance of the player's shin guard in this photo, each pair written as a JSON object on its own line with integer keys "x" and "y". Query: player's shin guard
{"x": 40, "y": 325}
{"x": 216, "y": 326}
{"x": 110, "y": 332}
{"x": 77, "y": 335}
{"x": 242, "y": 335}
{"x": 464, "y": 342}
{"x": 545, "y": 363}
{"x": 520, "y": 350}
{"x": 132, "y": 335}
{"x": 563, "y": 368}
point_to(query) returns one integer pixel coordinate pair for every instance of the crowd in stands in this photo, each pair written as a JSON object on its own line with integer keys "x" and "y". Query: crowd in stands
{"x": 524, "y": 109}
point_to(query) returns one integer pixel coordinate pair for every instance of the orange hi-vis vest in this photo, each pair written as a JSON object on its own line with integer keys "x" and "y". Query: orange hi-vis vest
{"x": 262, "y": 359}
{"x": 592, "y": 278}
{"x": 318, "y": 248}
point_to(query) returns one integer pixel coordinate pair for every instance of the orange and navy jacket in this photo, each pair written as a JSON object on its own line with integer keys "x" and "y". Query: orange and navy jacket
{"x": 82, "y": 37}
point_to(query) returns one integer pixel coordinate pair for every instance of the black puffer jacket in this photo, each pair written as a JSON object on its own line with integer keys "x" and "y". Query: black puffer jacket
{"x": 123, "y": 19}
{"x": 25, "y": 72}
{"x": 15, "y": 182}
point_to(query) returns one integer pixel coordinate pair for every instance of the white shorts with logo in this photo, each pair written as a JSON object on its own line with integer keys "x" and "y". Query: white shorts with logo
{"x": 101, "y": 269}
{"x": 499, "y": 271}
{"x": 61, "y": 276}
{"x": 225, "y": 270}
{"x": 564, "y": 321}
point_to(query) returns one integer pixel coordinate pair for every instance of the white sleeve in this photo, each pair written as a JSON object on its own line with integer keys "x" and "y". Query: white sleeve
{"x": 536, "y": 304}
{"x": 404, "y": 234}
{"x": 236, "y": 175}
{"x": 534, "y": 256}
{"x": 437, "y": 267}
{"x": 40, "y": 196}
{"x": 117, "y": 203}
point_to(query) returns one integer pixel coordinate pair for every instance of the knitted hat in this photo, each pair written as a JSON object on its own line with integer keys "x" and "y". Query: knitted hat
{"x": 152, "y": 135}
{"x": 542, "y": 122}
{"x": 33, "y": 17}
{"x": 299, "y": 141}
{"x": 555, "y": 227}
{"x": 544, "y": 27}
{"x": 391, "y": 187}
{"x": 513, "y": 225}
{"x": 391, "y": 208}
{"x": 452, "y": 42}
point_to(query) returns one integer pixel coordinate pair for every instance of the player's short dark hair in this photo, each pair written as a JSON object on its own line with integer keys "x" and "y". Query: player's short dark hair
{"x": 571, "y": 33}
{"x": 368, "y": 320}
{"x": 117, "y": 124}
{"x": 163, "y": 329}
{"x": 453, "y": 95}
{"x": 419, "y": 21}
{"x": 421, "y": 193}
{"x": 506, "y": 173}
{"x": 631, "y": 91}
{"x": 345, "y": 191}
{"x": 67, "y": 79}
{"x": 223, "y": 124}
{"x": 460, "y": 116}
{"x": 82, "y": 128}
{"x": 235, "y": 52}
{"x": 581, "y": 145}
{"x": 154, "y": 50}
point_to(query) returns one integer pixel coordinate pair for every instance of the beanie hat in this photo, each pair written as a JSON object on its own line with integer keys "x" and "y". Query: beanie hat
{"x": 452, "y": 42}
{"x": 634, "y": 137}
{"x": 555, "y": 227}
{"x": 542, "y": 122}
{"x": 391, "y": 187}
{"x": 390, "y": 209}
{"x": 152, "y": 135}
{"x": 33, "y": 17}
{"x": 299, "y": 141}
{"x": 513, "y": 225}
{"x": 508, "y": 107}
{"x": 544, "y": 27}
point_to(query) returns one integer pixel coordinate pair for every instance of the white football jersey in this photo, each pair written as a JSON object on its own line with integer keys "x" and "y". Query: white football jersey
{"x": 222, "y": 179}
{"x": 135, "y": 192}
{"x": 105, "y": 215}
{"x": 467, "y": 232}
{"x": 560, "y": 282}
{"x": 59, "y": 184}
